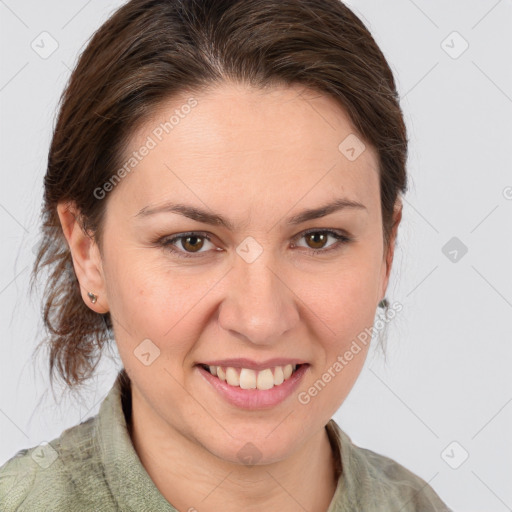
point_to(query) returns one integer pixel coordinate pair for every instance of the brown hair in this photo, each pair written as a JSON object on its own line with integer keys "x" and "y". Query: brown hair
{"x": 149, "y": 50}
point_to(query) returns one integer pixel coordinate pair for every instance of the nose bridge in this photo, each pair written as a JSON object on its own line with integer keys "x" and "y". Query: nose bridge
{"x": 258, "y": 306}
{"x": 259, "y": 283}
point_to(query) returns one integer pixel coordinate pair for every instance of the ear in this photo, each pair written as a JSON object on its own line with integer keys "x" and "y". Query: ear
{"x": 86, "y": 257}
{"x": 397, "y": 217}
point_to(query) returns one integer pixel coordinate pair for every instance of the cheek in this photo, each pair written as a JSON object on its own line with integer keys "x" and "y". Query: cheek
{"x": 347, "y": 308}
{"x": 344, "y": 300}
{"x": 160, "y": 303}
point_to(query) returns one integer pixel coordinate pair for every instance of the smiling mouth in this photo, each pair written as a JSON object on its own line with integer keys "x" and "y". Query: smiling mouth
{"x": 246, "y": 378}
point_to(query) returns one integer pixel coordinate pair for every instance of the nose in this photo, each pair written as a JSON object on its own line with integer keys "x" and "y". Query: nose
{"x": 259, "y": 305}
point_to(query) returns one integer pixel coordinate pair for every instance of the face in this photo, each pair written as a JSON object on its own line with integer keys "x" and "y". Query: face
{"x": 250, "y": 277}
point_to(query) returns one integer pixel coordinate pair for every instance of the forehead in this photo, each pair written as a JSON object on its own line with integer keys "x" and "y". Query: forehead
{"x": 233, "y": 139}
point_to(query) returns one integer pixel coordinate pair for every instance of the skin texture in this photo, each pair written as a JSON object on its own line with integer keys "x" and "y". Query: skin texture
{"x": 256, "y": 157}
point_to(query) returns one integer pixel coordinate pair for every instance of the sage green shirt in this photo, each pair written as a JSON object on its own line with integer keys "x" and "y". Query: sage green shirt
{"x": 93, "y": 466}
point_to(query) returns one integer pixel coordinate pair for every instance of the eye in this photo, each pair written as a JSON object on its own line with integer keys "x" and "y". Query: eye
{"x": 190, "y": 242}
{"x": 317, "y": 239}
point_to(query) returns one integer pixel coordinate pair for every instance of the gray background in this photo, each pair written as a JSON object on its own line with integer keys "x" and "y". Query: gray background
{"x": 447, "y": 375}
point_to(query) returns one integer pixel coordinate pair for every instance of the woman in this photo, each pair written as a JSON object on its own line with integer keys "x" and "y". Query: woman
{"x": 222, "y": 196}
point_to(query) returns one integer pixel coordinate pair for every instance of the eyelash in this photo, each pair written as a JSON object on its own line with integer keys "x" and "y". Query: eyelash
{"x": 168, "y": 243}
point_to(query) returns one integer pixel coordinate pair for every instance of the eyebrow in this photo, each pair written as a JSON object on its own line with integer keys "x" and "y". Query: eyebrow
{"x": 214, "y": 219}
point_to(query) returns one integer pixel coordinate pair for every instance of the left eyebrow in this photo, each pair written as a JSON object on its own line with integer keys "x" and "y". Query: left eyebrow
{"x": 215, "y": 219}
{"x": 322, "y": 211}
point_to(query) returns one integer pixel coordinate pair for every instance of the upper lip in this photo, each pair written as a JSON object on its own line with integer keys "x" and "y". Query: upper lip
{"x": 241, "y": 362}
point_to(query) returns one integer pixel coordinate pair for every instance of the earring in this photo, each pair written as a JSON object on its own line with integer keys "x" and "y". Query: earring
{"x": 384, "y": 303}
{"x": 93, "y": 297}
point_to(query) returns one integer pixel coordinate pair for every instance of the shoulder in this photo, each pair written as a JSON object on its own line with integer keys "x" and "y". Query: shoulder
{"x": 62, "y": 475}
{"x": 400, "y": 484}
{"x": 382, "y": 480}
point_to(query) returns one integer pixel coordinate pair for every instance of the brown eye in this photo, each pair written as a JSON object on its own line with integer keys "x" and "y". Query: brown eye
{"x": 317, "y": 238}
{"x": 187, "y": 245}
{"x": 192, "y": 243}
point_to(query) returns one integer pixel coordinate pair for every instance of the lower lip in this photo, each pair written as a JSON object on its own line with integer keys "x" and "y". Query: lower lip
{"x": 255, "y": 398}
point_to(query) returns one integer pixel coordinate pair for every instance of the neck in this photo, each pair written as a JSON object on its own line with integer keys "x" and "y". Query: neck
{"x": 306, "y": 480}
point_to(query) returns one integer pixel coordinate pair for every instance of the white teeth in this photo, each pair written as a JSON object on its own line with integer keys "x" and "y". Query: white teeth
{"x": 247, "y": 378}
{"x": 265, "y": 379}
{"x": 287, "y": 370}
{"x": 278, "y": 376}
{"x": 232, "y": 377}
